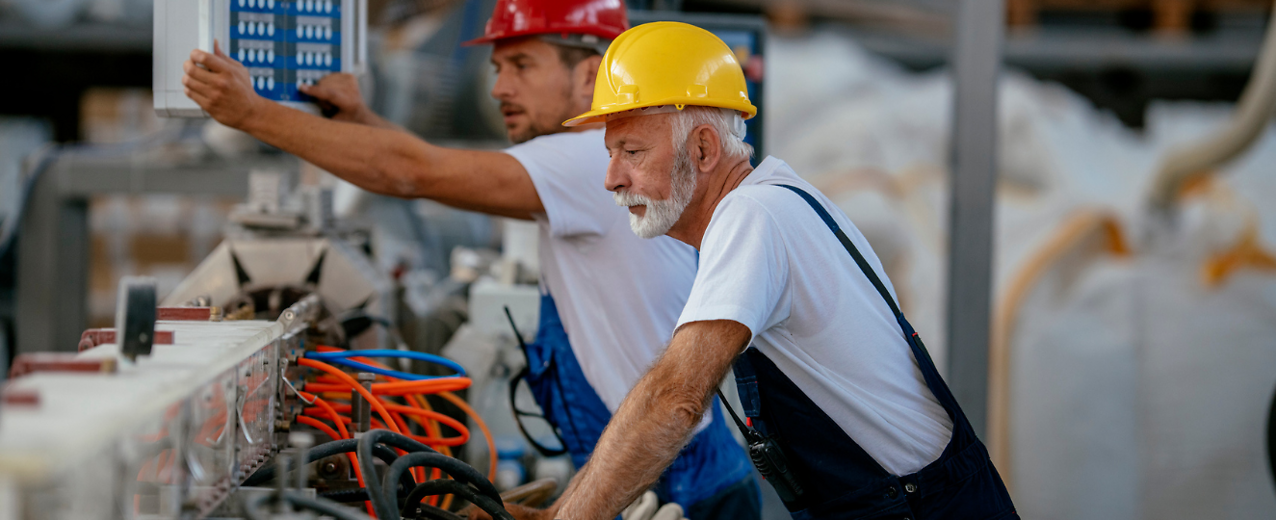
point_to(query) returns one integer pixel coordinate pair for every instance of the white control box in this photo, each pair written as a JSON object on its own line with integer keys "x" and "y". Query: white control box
{"x": 488, "y": 300}
{"x": 283, "y": 43}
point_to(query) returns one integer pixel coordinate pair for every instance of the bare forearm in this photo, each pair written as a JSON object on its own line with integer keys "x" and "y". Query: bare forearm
{"x": 399, "y": 164}
{"x": 377, "y": 159}
{"x": 653, "y": 424}
{"x": 370, "y": 118}
{"x": 374, "y": 159}
{"x": 628, "y": 461}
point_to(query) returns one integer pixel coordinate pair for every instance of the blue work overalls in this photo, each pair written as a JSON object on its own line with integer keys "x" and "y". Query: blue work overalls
{"x": 840, "y": 479}
{"x": 710, "y": 463}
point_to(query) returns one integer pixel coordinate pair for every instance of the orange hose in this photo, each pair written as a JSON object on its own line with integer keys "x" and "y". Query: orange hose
{"x": 491, "y": 443}
{"x": 427, "y": 386}
{"x": 464, "y": 433}
{"x": 317, "y": 424}
{"x": 411, "y": 391}
{"x": 419, "y": 402}
{"x": 319, "y": 411}
{"x": 345, "y": 434}
{"x": 398, "y": 418}
{"x": 432, "y": 431}
{"x": 376, "y": 403}
{"x": 432, "y": 427}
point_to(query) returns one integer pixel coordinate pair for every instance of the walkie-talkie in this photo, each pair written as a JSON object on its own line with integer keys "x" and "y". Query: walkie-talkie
{"x": 769, "y": 459}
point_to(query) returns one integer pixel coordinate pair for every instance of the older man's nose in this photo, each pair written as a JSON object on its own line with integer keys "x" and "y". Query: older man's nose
{"x": 616, "y": 178}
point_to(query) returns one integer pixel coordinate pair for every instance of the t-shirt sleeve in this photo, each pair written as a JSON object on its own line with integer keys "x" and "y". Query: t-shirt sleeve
{"x": 569, "y": 172}
{"x": 744, "y": 269}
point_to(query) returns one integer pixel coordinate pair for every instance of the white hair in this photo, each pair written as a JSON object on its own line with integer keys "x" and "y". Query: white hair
{"x": 729, "y": 125}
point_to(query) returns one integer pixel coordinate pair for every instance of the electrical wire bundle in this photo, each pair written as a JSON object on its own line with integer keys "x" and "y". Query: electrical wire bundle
{"x": 401, "y": 453}
{"x": 395, "y": 398}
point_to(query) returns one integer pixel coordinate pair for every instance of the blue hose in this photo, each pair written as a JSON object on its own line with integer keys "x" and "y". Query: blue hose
{"x": 339, "y": 358}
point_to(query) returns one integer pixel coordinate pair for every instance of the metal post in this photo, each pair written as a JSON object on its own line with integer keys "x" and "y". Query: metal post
{"x": 365, "y": 409}
{"x": 302, "y": 442}
{"x": 975, "y": 63}
{"x": 52, "y": 261}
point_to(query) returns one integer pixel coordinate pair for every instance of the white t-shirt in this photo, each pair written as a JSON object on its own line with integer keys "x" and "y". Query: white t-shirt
{"x": 769, "y": 262}
{"x": 618, "y": 295}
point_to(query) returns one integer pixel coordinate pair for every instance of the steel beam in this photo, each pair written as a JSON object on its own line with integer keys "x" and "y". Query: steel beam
{"x": 976, "y": 63}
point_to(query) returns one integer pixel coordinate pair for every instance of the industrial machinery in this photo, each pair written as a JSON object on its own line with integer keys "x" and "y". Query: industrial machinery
{"x": 187, "y": 406}
{"x": 281, "y": 247}
{"x": 179, "y": 412}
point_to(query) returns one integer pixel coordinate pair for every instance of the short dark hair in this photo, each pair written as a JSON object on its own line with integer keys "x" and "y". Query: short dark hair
{"x": 572, "y": 56}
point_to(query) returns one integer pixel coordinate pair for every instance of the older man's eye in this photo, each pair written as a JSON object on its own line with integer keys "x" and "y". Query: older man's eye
{"x": 631, "y": 152}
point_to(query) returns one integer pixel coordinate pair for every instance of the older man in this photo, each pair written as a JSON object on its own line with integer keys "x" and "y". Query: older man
{"x": 609, "y": 299}
{"x": 848, "y": 416}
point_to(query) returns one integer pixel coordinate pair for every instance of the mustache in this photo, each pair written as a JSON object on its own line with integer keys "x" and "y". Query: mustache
{"x": 511, "y": 107}
{"x": 626, "y": 199}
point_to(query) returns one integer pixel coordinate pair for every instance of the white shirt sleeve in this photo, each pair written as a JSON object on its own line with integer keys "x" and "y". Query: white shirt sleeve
{"x": 744, "y": 268}
{"x": 573, "y": 194}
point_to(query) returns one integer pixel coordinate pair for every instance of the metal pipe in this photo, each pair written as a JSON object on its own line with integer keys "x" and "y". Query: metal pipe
{"x": 1184, "y": 164}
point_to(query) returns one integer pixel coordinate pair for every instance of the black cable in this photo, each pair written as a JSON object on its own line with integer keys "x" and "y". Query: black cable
{"x": 418, "y": 454}
{"x": 323, "y": 507}
{"x": 443, "y": 487}
{"x": 354, "y": 495}
{"x": 370, "y": 439}
{"x": 429, "y": 512}
{"x": 346, "y": 496}
{"x": 328, "y": 449}
{"x": 254, "y": 508}
{"x": 458, "y": 470}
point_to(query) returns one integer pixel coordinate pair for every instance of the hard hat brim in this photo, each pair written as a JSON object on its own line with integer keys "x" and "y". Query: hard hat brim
{"x": 599, "y": 115}
{"x": 479, "y": 41}
{"x": 493, "y": 38}
{"x": 490, "y": 39}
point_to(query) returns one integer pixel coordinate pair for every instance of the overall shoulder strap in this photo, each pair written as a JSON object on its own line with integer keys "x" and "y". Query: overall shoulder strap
{"x": 927, "y": 365}
{"x": 850, "y": 247}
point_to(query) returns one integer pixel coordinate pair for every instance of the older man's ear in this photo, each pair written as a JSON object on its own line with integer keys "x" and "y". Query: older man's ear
{"x": 706, "y": 147}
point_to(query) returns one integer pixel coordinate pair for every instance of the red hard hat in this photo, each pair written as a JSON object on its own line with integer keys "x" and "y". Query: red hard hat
{"x": 513, "y": 18}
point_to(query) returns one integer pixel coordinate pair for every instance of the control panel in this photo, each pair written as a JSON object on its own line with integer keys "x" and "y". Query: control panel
{"x": 283, "y": 43}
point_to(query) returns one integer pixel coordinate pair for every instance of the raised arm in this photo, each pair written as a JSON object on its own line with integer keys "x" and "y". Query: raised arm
{"x": 380, "y": 160}
{"x": 654, "y": 422}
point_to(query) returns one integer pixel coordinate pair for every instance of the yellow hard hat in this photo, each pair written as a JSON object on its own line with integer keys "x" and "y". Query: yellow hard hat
{"x": 667, "y": 63}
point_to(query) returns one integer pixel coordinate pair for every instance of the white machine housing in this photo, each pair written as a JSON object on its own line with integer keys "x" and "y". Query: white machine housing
{"x": 170, "y": 436}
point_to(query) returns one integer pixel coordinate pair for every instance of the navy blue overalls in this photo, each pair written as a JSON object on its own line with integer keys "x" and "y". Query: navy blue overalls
{"x": 711, "y": 463}
{"x": 841, "y": 480}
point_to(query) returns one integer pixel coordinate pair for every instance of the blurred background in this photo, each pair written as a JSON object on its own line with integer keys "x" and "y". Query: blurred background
{"x": 1130, "y": 356}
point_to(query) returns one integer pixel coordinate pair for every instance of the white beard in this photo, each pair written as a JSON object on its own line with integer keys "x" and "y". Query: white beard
{"x": 662, "y": 214}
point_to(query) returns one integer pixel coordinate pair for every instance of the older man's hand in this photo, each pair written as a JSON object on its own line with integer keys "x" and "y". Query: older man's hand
{"x": 221, "y": 86}
{"x": 339, "y": 95}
